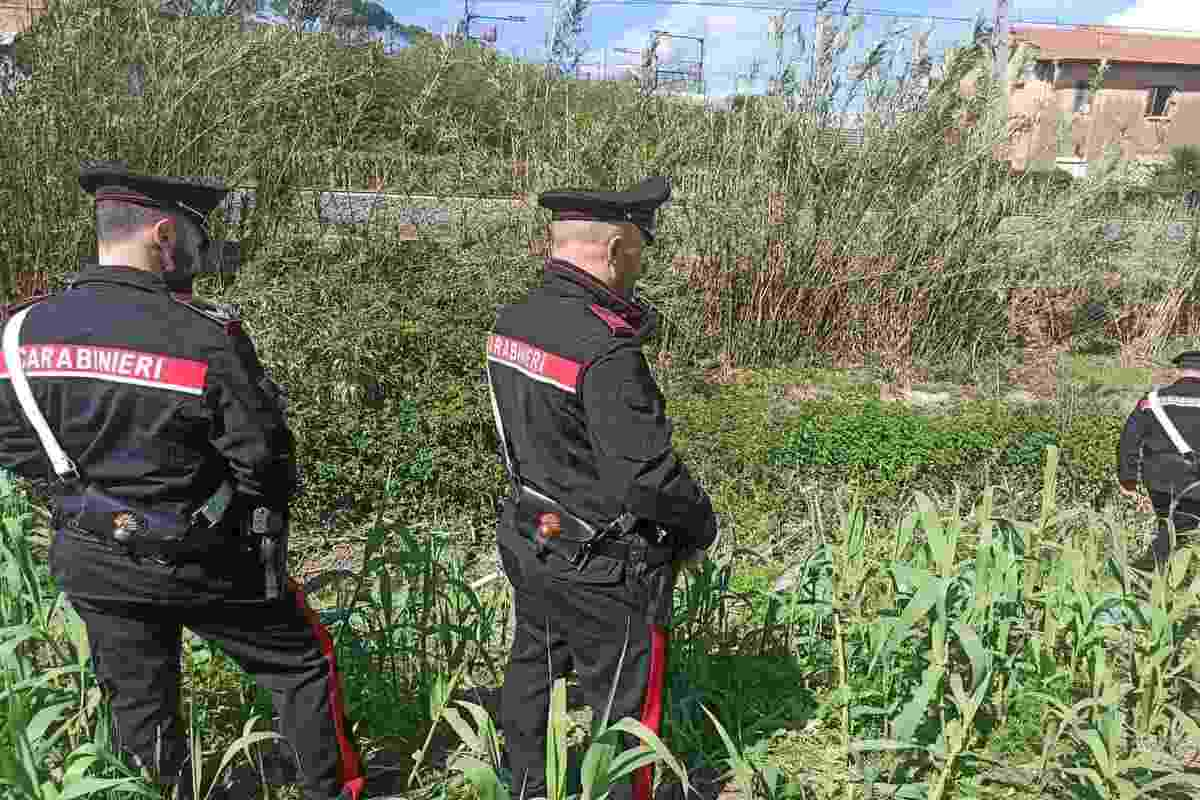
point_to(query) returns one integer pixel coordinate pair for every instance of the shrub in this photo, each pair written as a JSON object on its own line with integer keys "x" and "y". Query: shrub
{"x": 382, "y": 358}
{"x": 887, "y": 447}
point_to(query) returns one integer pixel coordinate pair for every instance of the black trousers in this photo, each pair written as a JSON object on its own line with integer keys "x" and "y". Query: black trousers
{"x": 136, "y": 645}
{"x": 567, "y": 619}
{"x": 1186, "y": 519}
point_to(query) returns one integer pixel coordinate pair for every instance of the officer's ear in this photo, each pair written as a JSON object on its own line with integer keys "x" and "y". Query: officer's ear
{"x": 164, "y": 233}
{"x": 615, "y": 246}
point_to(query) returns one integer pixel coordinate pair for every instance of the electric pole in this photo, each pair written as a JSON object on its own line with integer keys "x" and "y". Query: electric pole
{"x": 1000, "y": 65}
{"x": 490, "y": 35}
{"x": 694, "y": 73}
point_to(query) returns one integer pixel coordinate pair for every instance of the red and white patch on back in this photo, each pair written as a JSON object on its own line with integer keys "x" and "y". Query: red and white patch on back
{"x": 535, "y": 363}
{"x": 111, "y": 364}
{"x": 1143, "y": 404}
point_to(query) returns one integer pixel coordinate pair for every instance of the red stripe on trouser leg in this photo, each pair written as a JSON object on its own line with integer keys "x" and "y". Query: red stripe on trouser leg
{"x": 349, "y": 769}
{"x": 643, "y": 779}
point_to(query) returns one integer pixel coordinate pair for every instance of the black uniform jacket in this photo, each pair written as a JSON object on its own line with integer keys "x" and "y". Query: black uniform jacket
{"x": 154, "y": 400}
{"x": 584, "y": 419}
{"x": 1143, "y": 438}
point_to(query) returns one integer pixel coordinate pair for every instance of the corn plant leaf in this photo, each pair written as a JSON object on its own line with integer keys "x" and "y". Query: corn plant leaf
{"x": 556, "y": 743}
{"x": 13, "y": 637}
{"x": 981, "y": 659}
{"x": 983, "y": 516}
{"x": 905, "y": 533}
{"x": 42, "y": 720}
{"x": 1099, "y": 750}
{"x": 1185, "y": 721}
{"x": 942, "y": 536}
{"x": 385, "y": 596}
{"x": 906, "y": 723}
{"x": 487, "y": 730}
{"x": 243, "y": 745}
{"x": 480, "y": 775}
{"x": 1177, "y": 566}
{"x": 468, "y": 737}
{"x": 630, "y": 761}
{"x": 88, "y": 787}
{"x": 77, "y": 767}
{"x": 594, "y": 771}
{"x": 439, "y": 695}
{"x": 929, "y": 590}
{"x": 648, "y": 737}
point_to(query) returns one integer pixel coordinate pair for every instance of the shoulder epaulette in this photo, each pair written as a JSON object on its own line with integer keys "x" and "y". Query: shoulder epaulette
{"x": 224, "y": 315}
{"x": 615, "y": 322}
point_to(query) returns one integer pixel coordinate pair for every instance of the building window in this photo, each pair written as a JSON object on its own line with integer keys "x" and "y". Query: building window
{"x": 1158, "y": 100}
{"x": 1083, "y": 98}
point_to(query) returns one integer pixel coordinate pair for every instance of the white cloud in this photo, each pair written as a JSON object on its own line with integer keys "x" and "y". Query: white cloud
{"x": 736, "y": 41}
{"x": 732, "y": 41}
{"x": 1176, "y": 15}
{"x": 721, "y": 23}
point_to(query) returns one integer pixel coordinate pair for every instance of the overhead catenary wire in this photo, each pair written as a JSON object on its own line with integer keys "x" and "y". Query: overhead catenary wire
{"x": 1110, "y": 29}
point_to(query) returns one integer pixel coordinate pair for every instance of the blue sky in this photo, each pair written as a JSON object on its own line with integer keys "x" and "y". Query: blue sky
{"x": 735, "y": 38}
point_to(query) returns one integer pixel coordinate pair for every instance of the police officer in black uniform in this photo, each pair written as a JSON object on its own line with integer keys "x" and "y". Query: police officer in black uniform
{"x": 1158, "y": 437}
{"x": 602, "y": 513}
{"x": 172, "y": 466}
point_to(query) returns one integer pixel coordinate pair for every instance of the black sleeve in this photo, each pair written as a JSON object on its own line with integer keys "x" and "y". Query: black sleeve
{"x": 631, "y": 436}
{"x": 1129, "y": 448}
{"x": 20, "y": 450}
{"x": 249, "y": 428}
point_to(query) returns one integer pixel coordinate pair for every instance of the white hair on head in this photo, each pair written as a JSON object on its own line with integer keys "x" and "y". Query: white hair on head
{"x": 590, "y": 231}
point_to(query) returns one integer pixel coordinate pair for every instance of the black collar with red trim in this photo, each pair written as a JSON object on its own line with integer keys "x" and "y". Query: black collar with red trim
{"x": 563, "y": 276}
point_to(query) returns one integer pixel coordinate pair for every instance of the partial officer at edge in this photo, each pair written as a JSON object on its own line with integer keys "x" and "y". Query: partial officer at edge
{"x": 172, "y": 467}
{"x": 1156, "y": 438}
{"x": 601, "y": 511}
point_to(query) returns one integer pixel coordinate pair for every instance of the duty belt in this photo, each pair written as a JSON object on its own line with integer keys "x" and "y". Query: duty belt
{"x": 168, "y": 551}
{"x": 144, "y": 531}
{"x": 579, "y": 551}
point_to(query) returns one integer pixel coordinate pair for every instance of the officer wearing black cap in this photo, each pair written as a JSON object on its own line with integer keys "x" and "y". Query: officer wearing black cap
{"x": 602, "y": 513}
{"x": 152, "y": 421}
{"x": 1158, "y": 437}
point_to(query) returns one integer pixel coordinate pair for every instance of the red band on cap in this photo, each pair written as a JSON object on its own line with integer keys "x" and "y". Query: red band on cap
{"x": 126, "y": 196}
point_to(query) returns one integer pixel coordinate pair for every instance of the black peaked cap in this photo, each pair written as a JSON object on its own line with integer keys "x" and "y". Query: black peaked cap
{"x": 637, "y": 205}
{"x": 192, "y": 198}
{"x": 1189, "y": 359}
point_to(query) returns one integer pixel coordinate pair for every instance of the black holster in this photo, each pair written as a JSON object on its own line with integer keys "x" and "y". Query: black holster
{"x": 271, "y": 530}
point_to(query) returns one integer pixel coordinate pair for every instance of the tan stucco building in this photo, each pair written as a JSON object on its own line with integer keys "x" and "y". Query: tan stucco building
{"x": 17, "y": 16}
{"x": 1147, "y": 102}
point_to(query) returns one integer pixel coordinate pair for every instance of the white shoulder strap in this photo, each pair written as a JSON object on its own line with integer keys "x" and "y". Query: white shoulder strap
{"x": 499, "y": 422}
{"x": 1172, "y": 432}
{"x": 63, "y": 465}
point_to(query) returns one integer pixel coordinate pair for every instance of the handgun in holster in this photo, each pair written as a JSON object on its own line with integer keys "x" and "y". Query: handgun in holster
{"x": 270, "y": 529}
